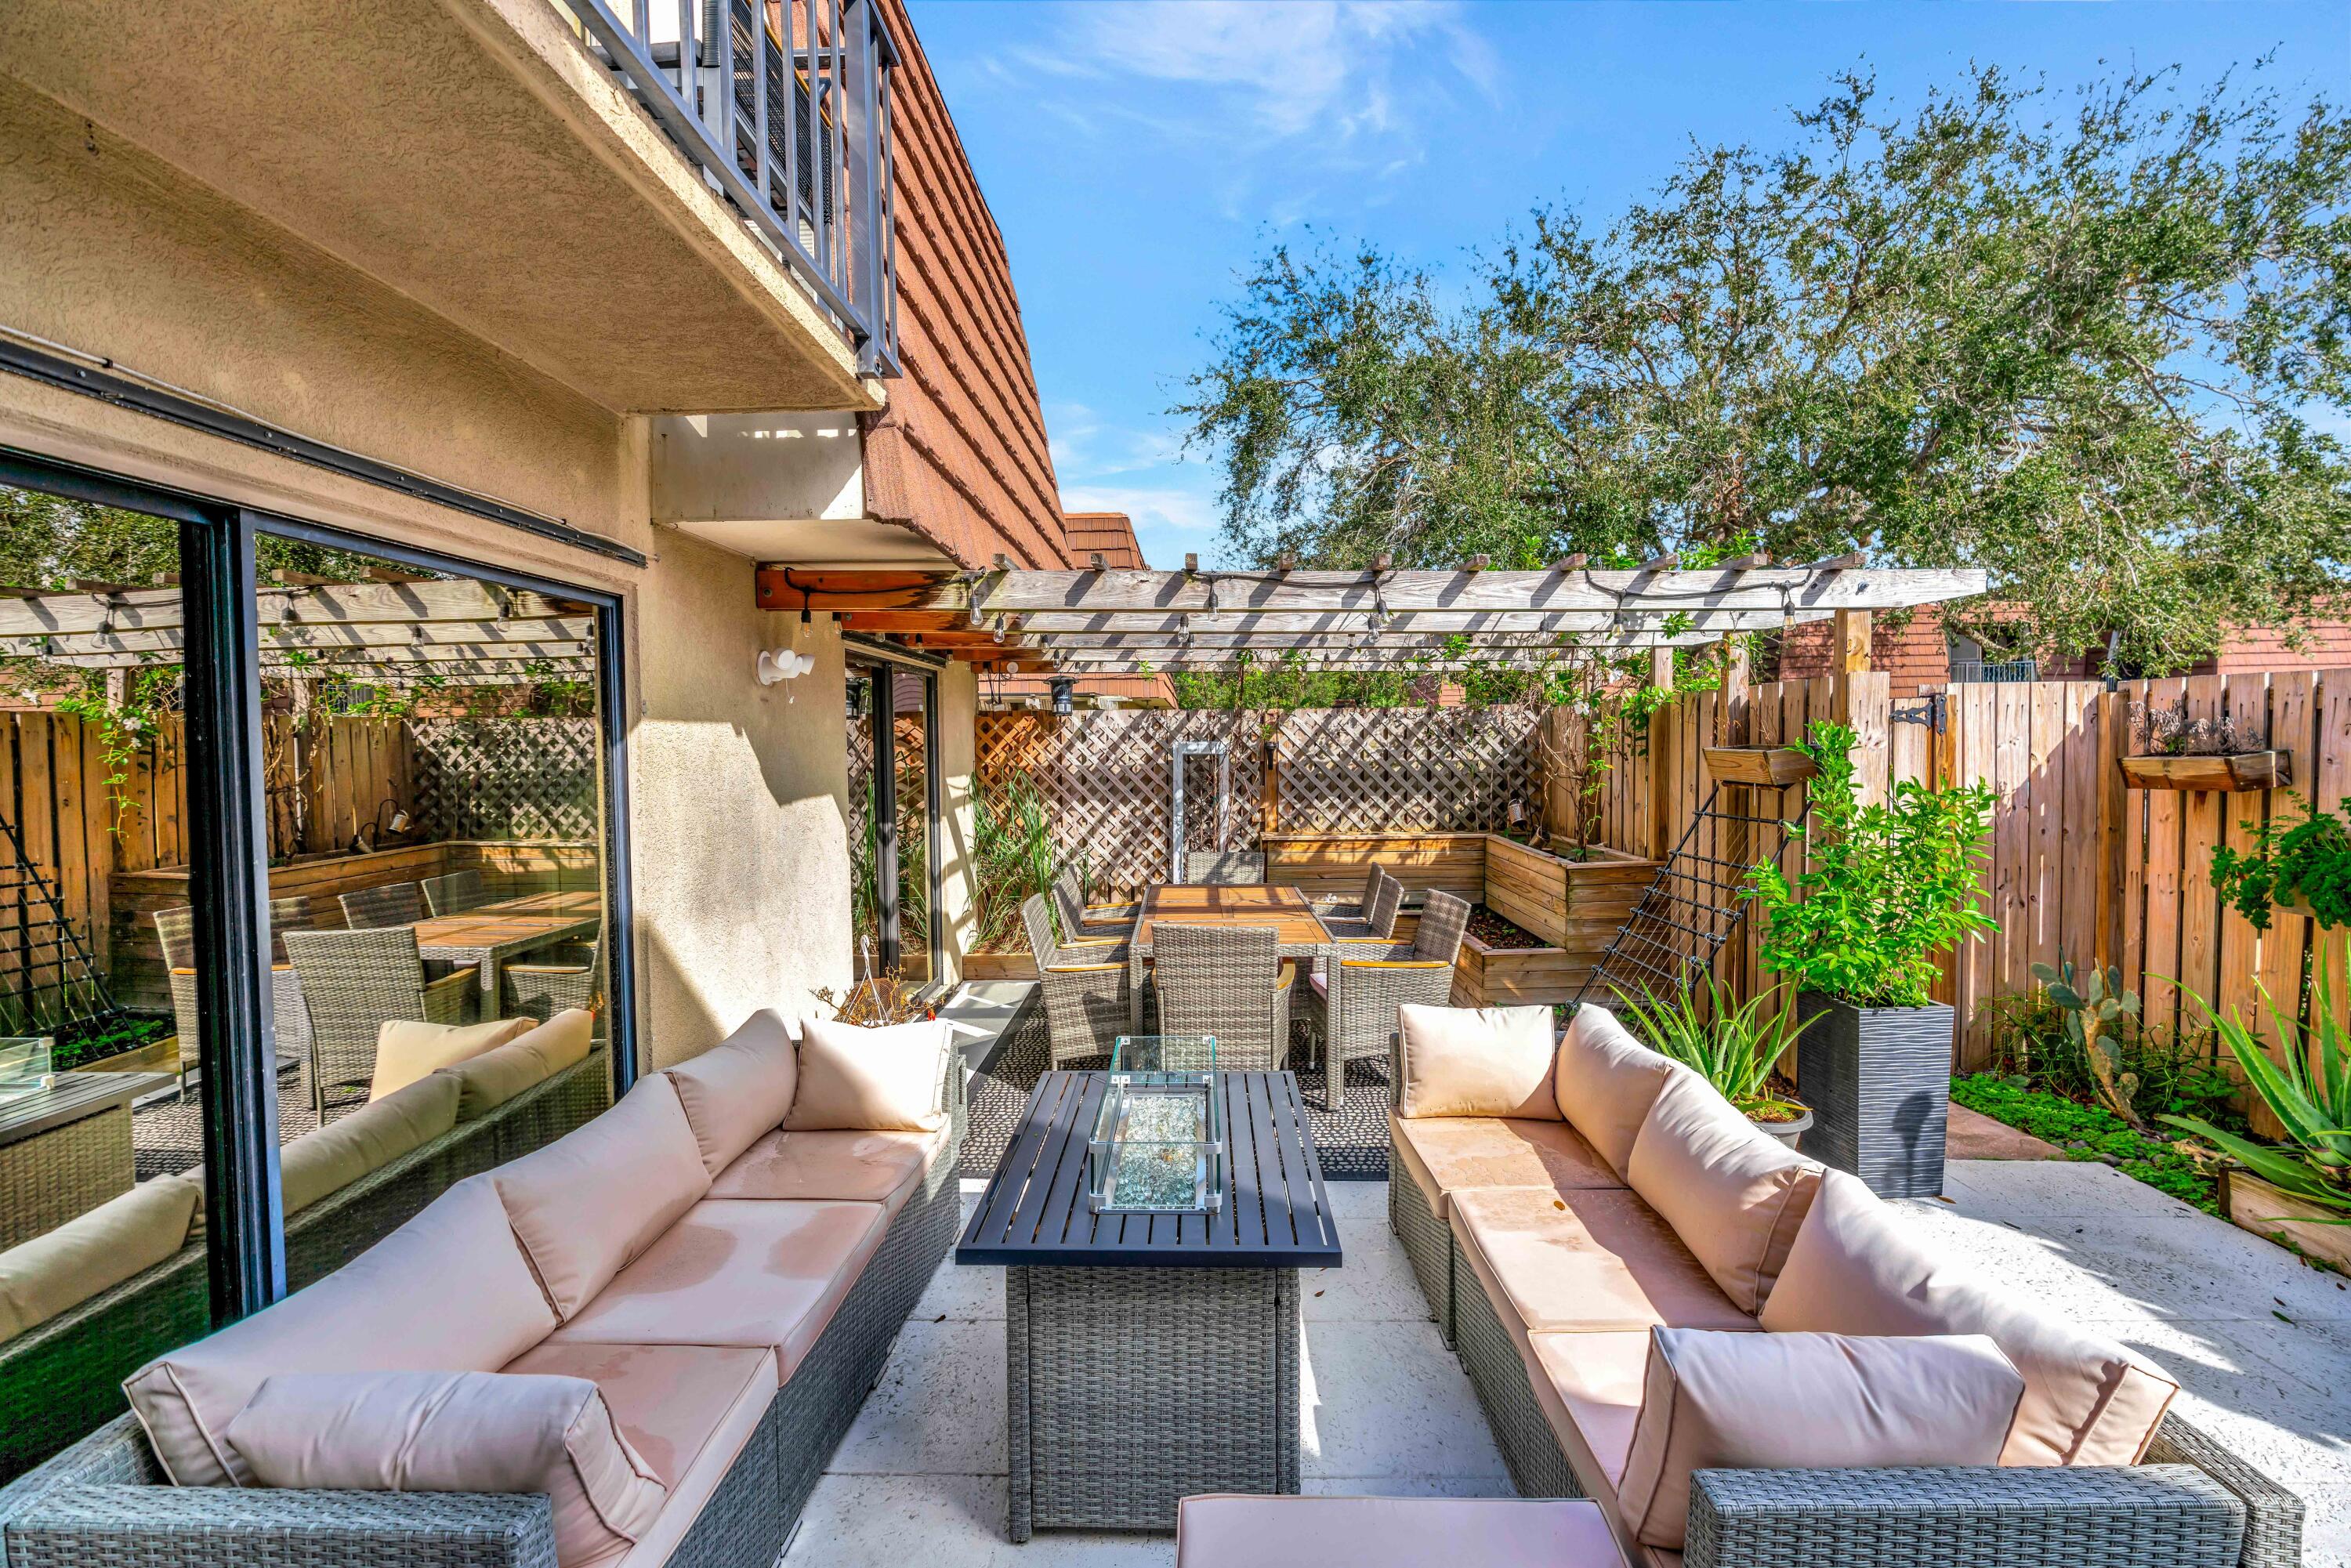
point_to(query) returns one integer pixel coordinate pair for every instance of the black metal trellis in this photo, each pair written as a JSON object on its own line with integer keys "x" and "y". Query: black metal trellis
{"x": 1694, "y": 904}
{"x": 54, "y": 982}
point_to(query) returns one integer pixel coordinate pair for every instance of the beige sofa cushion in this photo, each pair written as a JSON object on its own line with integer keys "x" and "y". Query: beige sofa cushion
{"x": 742, "y": 1272}
{"x": 687, "y": 1409}
{"x": 1588, "y": 1386}
{"x": 458, "y": 1431}
{"x": 1853, "y": 1271}
{"x": 1734, "y": 1195}
{"x": 1604, "y": 1081}
{"x": 1453, "y": 1154}
{"x": 871, "y": 1080}
{"x": 1591, "y": 1261}
{"x": 1805, "y": 1401}
{"x": 1477, "y": 1061}
{"x": 590, "y": 1203}
{"x": 739, "y": 1088}
{"x": 1223, "y": 1531}
{"x": 60, "y": 1268}
{"x": 488, "y": 1080}
{"x": 448, "y": 1291}
{"x": 859, "y": 1168}
{"x": 328, "y": 1159}
{"x": 408, "y": 1049}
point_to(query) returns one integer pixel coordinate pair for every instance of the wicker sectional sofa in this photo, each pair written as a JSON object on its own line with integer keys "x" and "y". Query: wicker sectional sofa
{"x": 1554, "y": 1244}
{"x": 728, "y": 1278}
{"x": 102, "y": 1296}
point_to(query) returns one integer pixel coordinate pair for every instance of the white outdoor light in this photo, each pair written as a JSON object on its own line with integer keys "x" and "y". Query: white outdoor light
{"x": 783, "y": 664}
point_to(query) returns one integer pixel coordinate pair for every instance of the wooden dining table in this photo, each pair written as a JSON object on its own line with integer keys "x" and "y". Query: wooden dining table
{"x": 489, "y": 934}
{"x": 1299, "y": 932}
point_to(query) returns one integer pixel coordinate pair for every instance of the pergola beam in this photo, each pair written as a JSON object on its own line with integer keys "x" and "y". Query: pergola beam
{"x": 1439, "y": 622}
{"x": 1766, "y": 589}
{"x": 453, "y": 639}
{"x": 340, "y": 604}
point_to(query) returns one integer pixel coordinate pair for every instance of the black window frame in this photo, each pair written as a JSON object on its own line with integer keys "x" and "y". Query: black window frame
{"x": 244, "y": 1234}
{"x": 882, "y": 662}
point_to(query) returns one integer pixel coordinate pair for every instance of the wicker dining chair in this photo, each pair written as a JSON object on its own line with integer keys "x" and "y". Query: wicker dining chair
{"x": 1086, "y": 988}
{"x": 377, "y": 908}
{"x": 176, "y": 930}
{"x": 1228, "y": 981}
{"x": 1080, "y": 918}
{"x": 353, "y": 982}
{"x": 1355, "y": 1001}
{"x": 453, "y": 894}
{"x": 566, "y": 976}
{"x": 1225, "y": 867}
{"x": 1375, "y": 918}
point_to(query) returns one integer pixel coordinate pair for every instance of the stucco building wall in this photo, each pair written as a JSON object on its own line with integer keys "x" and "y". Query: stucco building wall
{"x": 959, "y": 769}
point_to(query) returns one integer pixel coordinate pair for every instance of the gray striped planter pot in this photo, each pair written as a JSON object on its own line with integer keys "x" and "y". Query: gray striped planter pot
{"x": 1879, "y": 1083}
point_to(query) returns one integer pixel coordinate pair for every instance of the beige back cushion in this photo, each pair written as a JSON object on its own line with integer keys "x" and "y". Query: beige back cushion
{"x": 871, "y": 1080}
{"x": 586, "y": 1205}
{"x": 1477, "y": 1061}
{"x": 739, "y": 1090}
{"x": 408, "y": 1049}
{"x": 458, "y": 1431}
{"x": 1805, "y": 1401}
{"x": 449, "y": 1291}
{"x": 488, "y": 1080}
{"x": 329, "y": 1158}
{"x": 1735, "y": 1196}
{"x": 60, "y": 1270}
{"x": 1604, "y": 1082}
{"x": 1855, "y": 1271}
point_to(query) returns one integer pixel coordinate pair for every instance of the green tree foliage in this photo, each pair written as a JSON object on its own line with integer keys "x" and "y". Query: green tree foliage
{"x": 2078, "y": 340}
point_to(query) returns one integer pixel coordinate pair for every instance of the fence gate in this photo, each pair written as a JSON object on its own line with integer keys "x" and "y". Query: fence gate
{"x": 1179, "y": 754}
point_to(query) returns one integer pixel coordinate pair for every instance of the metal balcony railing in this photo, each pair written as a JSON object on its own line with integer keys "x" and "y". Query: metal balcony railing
{"x": 785, "y": 106}
{"x": 1970, "y": 672}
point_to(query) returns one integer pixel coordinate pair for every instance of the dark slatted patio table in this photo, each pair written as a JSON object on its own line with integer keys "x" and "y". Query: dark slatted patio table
{"x": 1151, "y": 1356}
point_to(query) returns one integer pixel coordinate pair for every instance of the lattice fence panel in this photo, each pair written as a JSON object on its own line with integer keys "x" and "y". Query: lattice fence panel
{"x": 1368, "y": 770}
{"x": 509, "y": 779}
{"x": 1104, "y": 778}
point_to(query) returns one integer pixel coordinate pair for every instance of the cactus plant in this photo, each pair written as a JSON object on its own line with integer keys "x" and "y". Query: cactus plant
{"x": 2091, "y": 1004}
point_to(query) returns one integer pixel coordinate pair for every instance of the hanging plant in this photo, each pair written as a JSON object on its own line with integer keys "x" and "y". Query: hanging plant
{"x": 2308, "y": 864}
{"x": 124, "y": 729}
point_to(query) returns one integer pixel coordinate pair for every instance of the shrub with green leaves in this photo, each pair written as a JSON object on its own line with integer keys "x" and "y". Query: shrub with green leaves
{"x": 2086, "y": 1132}
{"x": 1890, "y": 886}
{"x": 2309, "y": 863}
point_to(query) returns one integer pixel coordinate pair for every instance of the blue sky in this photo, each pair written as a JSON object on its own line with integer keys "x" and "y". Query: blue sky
{"x": 1139, "y": 155}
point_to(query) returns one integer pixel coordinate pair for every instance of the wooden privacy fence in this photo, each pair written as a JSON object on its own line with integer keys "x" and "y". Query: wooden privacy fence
{"x": 1106, "y": 777}
{"x": 2079, "y": 866}
{"x": 324, "y": 784}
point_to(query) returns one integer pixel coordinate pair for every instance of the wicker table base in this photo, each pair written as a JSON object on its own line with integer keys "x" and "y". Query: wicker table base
{"x": 1130, "y": 1389}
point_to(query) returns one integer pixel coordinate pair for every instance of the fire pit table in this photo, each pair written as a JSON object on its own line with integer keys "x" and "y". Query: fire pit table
{"x": 1151, "y": 1258}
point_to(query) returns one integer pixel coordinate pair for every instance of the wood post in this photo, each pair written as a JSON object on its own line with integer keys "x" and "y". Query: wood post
{"x": 2113, "y": 708}
{"x": 1848, "y": 652}
{"x": 1660, "y": 769}
{"x": 1269, "y": 803}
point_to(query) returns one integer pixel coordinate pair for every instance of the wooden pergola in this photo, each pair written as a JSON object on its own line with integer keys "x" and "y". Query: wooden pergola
{"x": 453, "y": 631}
{"x": 1114, "y": 622}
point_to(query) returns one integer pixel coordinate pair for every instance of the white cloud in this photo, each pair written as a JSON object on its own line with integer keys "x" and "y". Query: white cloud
{"x": 1158, "y": 507}
{"x": 1261, "y": 94}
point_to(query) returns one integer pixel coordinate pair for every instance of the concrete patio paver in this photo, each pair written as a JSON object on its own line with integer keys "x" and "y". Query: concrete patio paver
{"x": 2258, "y": 1339}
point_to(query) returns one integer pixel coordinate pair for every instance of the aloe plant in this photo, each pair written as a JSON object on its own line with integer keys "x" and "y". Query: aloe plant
{"x": 1728, "y": 1044}
{"x": 2309, "y": 1092}
{"x": 2091, "y": 1009}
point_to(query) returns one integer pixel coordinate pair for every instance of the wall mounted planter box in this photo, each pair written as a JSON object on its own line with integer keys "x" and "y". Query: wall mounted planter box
{"x": 2261, "y": 1208}
{"x": 2233, "y": 774}
{"x": 1878, "y": 1081}
{"x": 1771, "y": 767}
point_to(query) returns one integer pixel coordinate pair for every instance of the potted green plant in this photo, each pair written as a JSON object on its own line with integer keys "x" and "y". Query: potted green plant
{"x": 2305, "y": 1180}
{"x": 1731, "y": 1046}
{"x": 1889, "y": 887}
{"x": 2305, "y": 869}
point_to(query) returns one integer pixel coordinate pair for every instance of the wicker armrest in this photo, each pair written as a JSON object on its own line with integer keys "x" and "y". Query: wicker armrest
{"x": 2136, "y": 1516}
{"x": 448, "y": 999}
{"x": 198, "y": 1527}
{"x": 2273, "y": 1514}
{"x": 1083, "y": 968}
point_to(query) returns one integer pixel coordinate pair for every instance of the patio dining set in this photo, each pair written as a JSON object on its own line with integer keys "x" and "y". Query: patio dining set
{"x": 441, "y": 949}
{"x": 1241, "y": 960}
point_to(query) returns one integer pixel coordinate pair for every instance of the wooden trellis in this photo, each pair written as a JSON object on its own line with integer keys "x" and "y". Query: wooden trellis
{"x": 531, "y": 779}
{"x": 1358, "y": 771}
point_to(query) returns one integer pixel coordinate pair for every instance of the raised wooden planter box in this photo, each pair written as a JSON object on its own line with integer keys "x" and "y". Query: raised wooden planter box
{"x": 155, "y": 1056}
{"x": 1486, "y": 976}
{"x": 1769, "y": 767}
{"x": 2233, "y": 774}
{"x": 998, "y": 966}
{"x": 2261, "y": 1208}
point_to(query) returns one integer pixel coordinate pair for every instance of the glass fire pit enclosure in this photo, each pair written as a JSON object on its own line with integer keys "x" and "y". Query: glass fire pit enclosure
{"x": 1158, "y": 1143}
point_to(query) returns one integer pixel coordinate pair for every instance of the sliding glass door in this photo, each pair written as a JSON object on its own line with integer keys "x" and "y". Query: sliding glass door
{"x": 896, "y": 928}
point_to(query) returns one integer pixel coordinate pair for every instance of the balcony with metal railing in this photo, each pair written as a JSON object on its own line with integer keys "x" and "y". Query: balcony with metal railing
{"x": 784, "y": 106}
